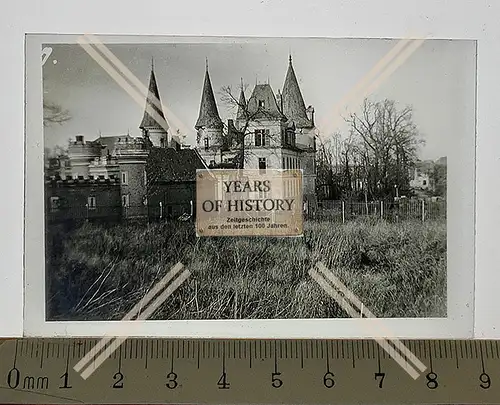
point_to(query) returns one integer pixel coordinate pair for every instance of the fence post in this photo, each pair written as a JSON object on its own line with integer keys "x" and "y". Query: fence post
{"x": 423, "y": 210}
{"x": 382, "y": 209}
{"x": 161, "y": 210}
{"x": 343, "y": 212}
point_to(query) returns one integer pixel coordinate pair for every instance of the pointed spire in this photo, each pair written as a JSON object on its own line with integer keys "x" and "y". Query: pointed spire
{"x": 209, "y": 114}
{"x": 153, "y": 102}
{"x": 293, "y": 104}
{"x": 242, "y": 103}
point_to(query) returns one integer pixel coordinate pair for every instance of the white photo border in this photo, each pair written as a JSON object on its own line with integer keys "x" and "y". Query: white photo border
{"x": 460, "y": 239}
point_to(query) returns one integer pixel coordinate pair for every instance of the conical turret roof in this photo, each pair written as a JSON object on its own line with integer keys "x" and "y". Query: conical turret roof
{"x": 209, "y": 114}
{"x": 294, "y": 107}
{"x": 153, "y": 102}
{"x": 242, "y": 105}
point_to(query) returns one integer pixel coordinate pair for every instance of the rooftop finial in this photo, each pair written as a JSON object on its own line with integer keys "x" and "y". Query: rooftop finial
{"x": 206, "y": 63}
{"x": 290, "y": 58}
{"x": 152, "y": 62}
{"x": 241, "y": 82}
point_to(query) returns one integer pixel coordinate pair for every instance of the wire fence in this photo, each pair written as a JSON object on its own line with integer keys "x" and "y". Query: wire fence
{"x": 342, "y": 211}
{"x": 332, "y": 211}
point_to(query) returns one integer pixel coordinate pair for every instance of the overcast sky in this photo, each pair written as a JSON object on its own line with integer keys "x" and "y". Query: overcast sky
{"x": 437, "y": 81}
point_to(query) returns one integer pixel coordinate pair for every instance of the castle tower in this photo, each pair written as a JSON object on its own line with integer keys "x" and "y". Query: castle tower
{"x": 294, "y": 108}
{"x": 132, "y": 155}
{"x": 241, "y": 114}
{"x": 154, "y": 125}
{"x": 209, "y": 124}
{"x": 292, "y": 101}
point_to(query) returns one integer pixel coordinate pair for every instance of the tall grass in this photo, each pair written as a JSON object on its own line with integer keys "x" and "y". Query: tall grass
{"x": 99, "y": 273}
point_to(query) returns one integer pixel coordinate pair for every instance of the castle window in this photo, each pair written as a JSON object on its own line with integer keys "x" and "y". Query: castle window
{"x": 54, "y": 204}
{"x": 145, "y": 178}
{"x": 125, "y": 178}
{"x": 207, "y": 145}
{"x": 126, "y": 200}
{"x": 260, "y": 137}
{"x": 262, "y": 163}
{"x": 91, "y": 203}
{"x": 424, "y": 182}
{"x": 261, "y": 104}
{"x": 283, "y": 163}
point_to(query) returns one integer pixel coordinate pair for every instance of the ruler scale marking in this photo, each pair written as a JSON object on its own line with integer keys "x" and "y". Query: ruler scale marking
{"x": 475, "y": 363}
{"x": 42, "y": 350}
{"x": 250, "y": 354}
{"x": 352, "y": 353}
{"x": 301, "y": 355}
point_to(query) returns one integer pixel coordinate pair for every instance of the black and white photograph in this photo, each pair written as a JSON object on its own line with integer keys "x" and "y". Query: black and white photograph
{"x": 382, "y": 131}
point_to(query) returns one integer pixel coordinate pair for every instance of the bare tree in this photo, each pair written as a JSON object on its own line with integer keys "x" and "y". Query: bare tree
{"x": 337, "y": 165}
{"x": 54, "y": 114}
{"x": 386, "y": 143}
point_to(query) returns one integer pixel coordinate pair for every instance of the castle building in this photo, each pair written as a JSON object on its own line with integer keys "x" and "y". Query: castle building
{"x": 116, "y": 176}
{"x": 268, "y": 131}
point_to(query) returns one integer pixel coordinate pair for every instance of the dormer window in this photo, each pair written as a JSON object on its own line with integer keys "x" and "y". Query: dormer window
{"x": 261, "y": 104}
{"x": 206, "y": 144}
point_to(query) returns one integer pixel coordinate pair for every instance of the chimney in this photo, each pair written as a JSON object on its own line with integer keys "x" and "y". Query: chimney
{"x": 310, "y": 114}
{"x": 279, "y": 100}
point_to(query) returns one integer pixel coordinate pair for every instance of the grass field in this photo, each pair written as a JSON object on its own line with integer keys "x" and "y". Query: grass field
{"x": 99, "y": 273}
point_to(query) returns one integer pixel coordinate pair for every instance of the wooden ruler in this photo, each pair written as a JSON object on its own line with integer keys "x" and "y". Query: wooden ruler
{"x": 249, "y": 371}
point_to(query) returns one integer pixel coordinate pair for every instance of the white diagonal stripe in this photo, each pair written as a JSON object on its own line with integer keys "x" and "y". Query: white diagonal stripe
{"x": 142, "y": 88}
{"x": 357, "y": 302}
{"x": 131, "y": 314}
{"x": 384, "y": 342}
{"x": 397, "y": 56}
{"x": 348, "y": 308}
{"x": 136, "y": 96}
{"x": 116, "y": 343}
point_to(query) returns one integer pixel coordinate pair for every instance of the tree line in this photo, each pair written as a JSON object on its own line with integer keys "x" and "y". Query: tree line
{"x": 375, "y": 159}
